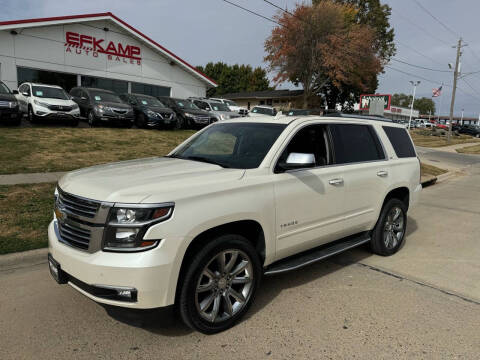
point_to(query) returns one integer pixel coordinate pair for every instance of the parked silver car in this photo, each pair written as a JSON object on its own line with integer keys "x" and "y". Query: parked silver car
{"x": 219, "y": 110}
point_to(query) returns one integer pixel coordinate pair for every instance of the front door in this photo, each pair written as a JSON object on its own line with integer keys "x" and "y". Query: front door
{"x": 309, "y": 201}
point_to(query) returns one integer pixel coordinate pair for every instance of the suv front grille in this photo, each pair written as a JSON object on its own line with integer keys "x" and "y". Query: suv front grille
{"x": 118, "y": 111}
{"x": 202, "y": 119}
{"x": 78, "y": 206}
{"x": 74, "y": 235}
{"x": 60, "y": 108}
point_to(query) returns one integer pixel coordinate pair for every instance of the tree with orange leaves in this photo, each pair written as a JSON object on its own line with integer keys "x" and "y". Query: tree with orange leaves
{"x": 319, "y": 44}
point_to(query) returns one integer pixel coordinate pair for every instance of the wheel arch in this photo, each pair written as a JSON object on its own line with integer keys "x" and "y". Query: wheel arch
{"x": 252, "y": 230}
{"x": 402, "y": 193}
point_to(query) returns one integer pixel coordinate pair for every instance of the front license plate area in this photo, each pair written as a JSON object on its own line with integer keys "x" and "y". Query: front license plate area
{"x": 56, "y": 271}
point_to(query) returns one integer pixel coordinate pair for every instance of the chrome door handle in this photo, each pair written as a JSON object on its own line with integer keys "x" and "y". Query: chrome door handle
{"x": 336, "y": 182}
{"x": 382, "y": 173}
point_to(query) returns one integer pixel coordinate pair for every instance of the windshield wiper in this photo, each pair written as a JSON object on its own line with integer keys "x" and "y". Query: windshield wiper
{"x": 205, "y": 160}
{"x": 197, "y": 158}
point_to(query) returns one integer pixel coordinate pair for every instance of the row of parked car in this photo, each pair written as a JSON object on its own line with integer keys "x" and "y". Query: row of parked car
{"x": 99, "y": 106}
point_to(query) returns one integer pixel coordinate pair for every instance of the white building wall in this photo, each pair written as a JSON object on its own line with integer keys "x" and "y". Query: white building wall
{"x": 44, "y": 48}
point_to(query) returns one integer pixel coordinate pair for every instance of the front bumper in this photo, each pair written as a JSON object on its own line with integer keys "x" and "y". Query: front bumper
{"x": 10, "y": 114}
{"x": 415, "y": 196}
{"x": 158, "y": 123}
{"x": 149, "y": 273}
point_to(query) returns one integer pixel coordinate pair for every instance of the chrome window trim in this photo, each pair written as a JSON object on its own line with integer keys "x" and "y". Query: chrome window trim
{"x": 305, "y": 124}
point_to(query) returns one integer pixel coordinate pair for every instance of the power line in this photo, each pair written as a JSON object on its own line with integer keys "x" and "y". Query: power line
{"x": 418, "y": 52}
{"x": 415, "y": 75}
{"x": 420, "y": 67}
{"x": 471, "y": 87}
{"x": 422, "y": 29}
{"x": 252, "y": 12}
{"x": 437, "y": 19}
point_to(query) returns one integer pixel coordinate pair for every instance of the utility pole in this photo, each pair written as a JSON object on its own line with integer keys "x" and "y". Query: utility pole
{"x": 455, "y": 77}
{"x": 415, "y": 84}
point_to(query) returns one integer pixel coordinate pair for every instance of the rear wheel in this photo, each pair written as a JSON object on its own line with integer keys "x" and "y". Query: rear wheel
{"x": 220, "y": 284}
{"x": 389, "y": 233}
{"x": 180, "y": 124}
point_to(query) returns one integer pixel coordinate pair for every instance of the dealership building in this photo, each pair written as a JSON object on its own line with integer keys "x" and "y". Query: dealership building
{"x": 94, "y": 50}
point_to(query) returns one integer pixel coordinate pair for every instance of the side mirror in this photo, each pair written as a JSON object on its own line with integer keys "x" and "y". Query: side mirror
{"x": 25, "y": 94}
{"x": 83, "y": 98}
{"x": 298, "y": 161}
{"x": 15, "y": 92}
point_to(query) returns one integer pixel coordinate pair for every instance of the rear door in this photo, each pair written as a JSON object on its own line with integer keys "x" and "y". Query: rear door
{"x": 358, "y": 149}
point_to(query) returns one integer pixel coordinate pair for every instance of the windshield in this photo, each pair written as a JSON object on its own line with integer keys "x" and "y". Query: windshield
{"x": 219, "y": 106}
{"x": 105, "y": 96}
{"x": 260, "y": 110}
{"x": 49, "y": 92}
{"x": 4, "y": 89}
{"x": 230, "y": 102}
{"x": 233, "y": 145}
{"x": 185, "y": 104}
{"x": 149, "y": 101}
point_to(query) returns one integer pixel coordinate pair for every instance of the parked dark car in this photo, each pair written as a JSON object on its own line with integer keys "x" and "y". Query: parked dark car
{"x": 188, "y": 114}
{"x": 102, "y": 106}
{"x": 150, "y": 112}
{"x": 473, "y": 130}
{"x": 9, "y": 109}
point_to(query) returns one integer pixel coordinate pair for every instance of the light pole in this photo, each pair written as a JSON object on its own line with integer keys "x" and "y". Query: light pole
{"x": 415, "y": 84}
{"x": 461, "y": 120}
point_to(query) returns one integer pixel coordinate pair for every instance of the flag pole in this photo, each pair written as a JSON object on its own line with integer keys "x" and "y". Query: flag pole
{"x": 440, "y": 109}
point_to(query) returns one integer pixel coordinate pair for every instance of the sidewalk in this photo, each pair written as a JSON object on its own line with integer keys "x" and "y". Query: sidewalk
{"x": 453, "y": 148}
{"x": 33, "y": 178}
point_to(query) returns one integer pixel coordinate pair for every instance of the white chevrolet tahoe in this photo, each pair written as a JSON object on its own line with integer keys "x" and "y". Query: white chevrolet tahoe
{"x": 200, "y": 227}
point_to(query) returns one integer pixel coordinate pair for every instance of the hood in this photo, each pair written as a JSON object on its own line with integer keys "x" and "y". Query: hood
{"x": 8, "y": 97}
{"x": 158, "y": 109}
{"x": 51, "y": 101}
{"x": 147, "y": 180}
{"x": 114, "y": 105}
{"x": 193, "y": 111}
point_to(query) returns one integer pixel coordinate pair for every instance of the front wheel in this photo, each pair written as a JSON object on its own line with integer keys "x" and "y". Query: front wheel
{"x": 389, "y": 232}
{"x": 220, "y": 284}
{"x": 91, "y": 119}
{"x": 31, "y": 116}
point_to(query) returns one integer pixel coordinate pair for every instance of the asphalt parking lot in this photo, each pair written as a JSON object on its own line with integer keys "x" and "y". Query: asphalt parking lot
{"x": 423, "y": 302}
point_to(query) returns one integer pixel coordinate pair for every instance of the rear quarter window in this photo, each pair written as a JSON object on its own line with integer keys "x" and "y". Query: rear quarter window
{"x": 401, "y": 142}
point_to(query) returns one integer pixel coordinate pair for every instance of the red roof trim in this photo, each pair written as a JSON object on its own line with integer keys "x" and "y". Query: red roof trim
{"x": 83, "y": 16}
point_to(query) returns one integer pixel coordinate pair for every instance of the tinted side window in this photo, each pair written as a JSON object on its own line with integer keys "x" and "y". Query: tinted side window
{"x": 400, "y": 141}
{"x": 355, "y": 143}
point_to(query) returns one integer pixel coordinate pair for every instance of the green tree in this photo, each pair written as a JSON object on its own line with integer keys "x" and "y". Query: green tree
{"x": 234, "y": 78}
{"x": 375, "y": 15}
{"x": 424, "y": 105}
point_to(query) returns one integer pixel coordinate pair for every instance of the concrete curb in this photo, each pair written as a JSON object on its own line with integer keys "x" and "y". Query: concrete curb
{"x": 23, "y": 259}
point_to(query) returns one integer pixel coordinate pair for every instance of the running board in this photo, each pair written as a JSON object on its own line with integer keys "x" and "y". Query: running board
{"x": 317, "y": 254}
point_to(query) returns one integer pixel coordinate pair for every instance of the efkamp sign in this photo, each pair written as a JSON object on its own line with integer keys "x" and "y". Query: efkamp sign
{"x": 365, "y": 100}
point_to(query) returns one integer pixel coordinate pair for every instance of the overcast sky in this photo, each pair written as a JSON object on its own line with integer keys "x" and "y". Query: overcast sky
{"x": 200, "y": 31}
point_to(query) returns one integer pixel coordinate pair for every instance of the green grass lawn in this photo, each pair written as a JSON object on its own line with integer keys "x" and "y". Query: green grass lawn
{"x": 25, "y": 211}
{"x": 37, "y": 149}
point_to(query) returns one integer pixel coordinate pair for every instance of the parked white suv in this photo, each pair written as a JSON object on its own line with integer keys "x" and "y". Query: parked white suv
{"x": 232, "y": 106}
{"x": 41, "y": 101}
{"x": 200, "y": 227}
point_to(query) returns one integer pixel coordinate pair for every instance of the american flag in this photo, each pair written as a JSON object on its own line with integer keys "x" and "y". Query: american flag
{"x": 437, "y": 92}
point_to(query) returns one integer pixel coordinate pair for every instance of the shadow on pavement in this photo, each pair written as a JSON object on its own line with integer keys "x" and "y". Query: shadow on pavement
{"x": 166, "y": 322}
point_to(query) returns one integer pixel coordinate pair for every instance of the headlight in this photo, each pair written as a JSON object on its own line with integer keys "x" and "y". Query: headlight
{"x": 189, "y": 115}
{"x": 99, "y": 108}
{"x": 224, "y": 117}
{"x": 39, "y": 103}
{"x": 151, "y": 113}
{"x": 128, "y": 224}
{"x": 75, "y": 106}
{"x": 12, "y": 104}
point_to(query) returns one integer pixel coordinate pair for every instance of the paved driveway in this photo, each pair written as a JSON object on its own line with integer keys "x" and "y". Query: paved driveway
{"x": 423, "y": 302}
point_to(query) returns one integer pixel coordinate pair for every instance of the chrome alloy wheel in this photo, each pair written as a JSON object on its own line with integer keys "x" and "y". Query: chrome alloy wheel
{"x": 225, "y": 286}
{"x": 394, "y": 228}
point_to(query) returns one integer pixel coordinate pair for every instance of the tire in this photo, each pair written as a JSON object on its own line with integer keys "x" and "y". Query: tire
{"x": 216, "y": 292}
{"x": 389, "y": 232}
{"x": 128, "y": 125}
{"x": 180, "y": 123}
{"x": 91, "y": 119}
{"x": 31, "y": 116}
{"x": 140, "y": 121}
